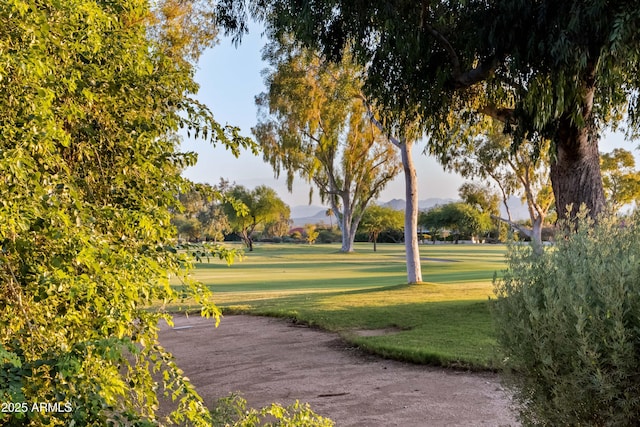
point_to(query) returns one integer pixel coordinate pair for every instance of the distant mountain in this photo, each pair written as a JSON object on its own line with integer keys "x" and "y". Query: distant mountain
{"x": 518, "y": 209}
{"x": 301, "y": 211}
{"x": 433, "y": 201}
{"x": 399, "y": 204}
{"x": 304, "y": 214}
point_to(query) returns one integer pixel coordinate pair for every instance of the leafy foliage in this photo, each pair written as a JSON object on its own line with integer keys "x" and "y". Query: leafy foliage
{"x": 481, "y": 197}
{"x": 620, "y": 179}
{"x": 517, "y": 169}
{"x": 202, "y": 216}
{"x": 314, "y": 124}
{"x": 568, "y": 326}
{"x": 232, "y": 411}
{"x": 460, "y": 219}
{"x": 247, "y": 209}
{"x": 548, "y": 69}
{"x": 90, "y": 169}
{"x": 377, "y": 219}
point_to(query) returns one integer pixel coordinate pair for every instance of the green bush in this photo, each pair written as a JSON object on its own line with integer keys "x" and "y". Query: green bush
{"x": 329, "y": 235}
{"x": 232, "y": 411}
{"x": 568, "y": 325}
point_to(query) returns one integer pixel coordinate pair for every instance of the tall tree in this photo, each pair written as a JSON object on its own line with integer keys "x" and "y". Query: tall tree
{"x": 314, "y": 124}
{"x": 548, "y": 69}
{"x": 620, "y": 179}
{"x": 90, "y": 168}
{"x": 516, "y": 170}
{"x": 258, "y": 207}
{"x": 404, "y": 126}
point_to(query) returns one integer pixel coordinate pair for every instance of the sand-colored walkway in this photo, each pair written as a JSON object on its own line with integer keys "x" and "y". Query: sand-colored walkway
{"x": 271, "y": 360}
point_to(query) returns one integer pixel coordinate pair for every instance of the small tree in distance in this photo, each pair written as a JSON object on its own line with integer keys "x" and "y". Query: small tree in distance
{"x": 377, "y": 219}
{"x": 310, "y": 233}
{"x": 459, "y": 218}
{"x": 620, "y": 179}
{"x": 257, "y": 207}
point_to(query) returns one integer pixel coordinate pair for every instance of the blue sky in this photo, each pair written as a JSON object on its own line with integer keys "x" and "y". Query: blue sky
{"x": 230, "y": 78}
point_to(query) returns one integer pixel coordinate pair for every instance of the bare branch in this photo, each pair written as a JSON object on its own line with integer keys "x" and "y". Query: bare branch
{"x": 524, "y": 230}
{"x": 376, "y": 123}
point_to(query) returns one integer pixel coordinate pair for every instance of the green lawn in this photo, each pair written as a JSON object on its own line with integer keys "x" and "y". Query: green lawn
{"x": 444, "y": 321}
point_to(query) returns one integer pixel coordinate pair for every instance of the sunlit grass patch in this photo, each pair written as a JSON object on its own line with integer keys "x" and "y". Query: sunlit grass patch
{"x": 444, "y": 321}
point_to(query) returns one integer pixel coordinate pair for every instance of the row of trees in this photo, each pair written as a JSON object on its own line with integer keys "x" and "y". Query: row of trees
{"x": 215, "y": 213}
{"x": 207, "y": 216}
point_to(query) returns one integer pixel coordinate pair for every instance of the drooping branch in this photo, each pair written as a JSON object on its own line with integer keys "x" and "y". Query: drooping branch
{"x": 453, "y": 56}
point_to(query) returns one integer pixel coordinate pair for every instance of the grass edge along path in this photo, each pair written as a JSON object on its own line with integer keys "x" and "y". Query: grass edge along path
{"x": 446, "y": 323}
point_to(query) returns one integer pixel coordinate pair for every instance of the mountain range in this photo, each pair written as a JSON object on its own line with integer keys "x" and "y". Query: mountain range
{"x": 313, "y": 214}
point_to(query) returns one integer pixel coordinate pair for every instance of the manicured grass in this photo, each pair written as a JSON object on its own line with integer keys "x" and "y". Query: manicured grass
{"x": 445, "y": 321}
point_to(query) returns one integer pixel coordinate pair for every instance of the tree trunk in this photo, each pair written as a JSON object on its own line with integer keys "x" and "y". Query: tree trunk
{"x": 248, "y": 241}
{"x": 348, "y": 233}
{"x": 536, "y": 235}
{"x": 575, "y": 170}
{"x": 414, "y": 269}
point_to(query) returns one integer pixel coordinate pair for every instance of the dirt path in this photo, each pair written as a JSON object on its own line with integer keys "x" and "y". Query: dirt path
{"x": 271, "y": 360}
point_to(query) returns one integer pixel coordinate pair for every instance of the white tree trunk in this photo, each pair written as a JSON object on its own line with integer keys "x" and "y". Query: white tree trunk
{"x": 347, "y": 233}
{"x": 414, "y": 269}
{"x": 345, "y": 223}
{"x": 536, "y": 235}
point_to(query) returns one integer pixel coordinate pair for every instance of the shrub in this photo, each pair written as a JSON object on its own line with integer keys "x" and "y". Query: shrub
{"x": 329, "y": 236}
{"x": 232, "y": 411}
{"x": 568, "y": 324}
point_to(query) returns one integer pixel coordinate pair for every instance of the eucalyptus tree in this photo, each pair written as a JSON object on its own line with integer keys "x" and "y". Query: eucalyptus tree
{"x": 520, "y": 169}
{"x": 89, "y": 165}
{"x": 314, "y": 124}
{"x": 548, "y": 69}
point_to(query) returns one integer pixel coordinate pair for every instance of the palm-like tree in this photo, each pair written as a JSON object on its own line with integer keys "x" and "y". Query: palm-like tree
{"x": 329, "y": 213}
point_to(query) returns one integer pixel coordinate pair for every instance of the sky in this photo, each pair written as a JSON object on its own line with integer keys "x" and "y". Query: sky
{"x": 230, "y": 78}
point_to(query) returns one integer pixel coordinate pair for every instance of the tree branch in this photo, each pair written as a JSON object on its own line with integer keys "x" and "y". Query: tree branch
{"x": 376, "y": 123}
{"x": 474, "y": 75}
{"x": 518, "y": 227}
{"x": 504, "y": 115}
{"x": 455, "y": 61}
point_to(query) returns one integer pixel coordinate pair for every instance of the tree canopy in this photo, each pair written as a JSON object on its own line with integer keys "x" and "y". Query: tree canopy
{"x": 460, "y": 219}
{"x": 92, "y": 100}
{"x": 620, "y": 179}
{"x": 522, "y": 170}
{"x": 248, "y": 209}
{"x": 314, "y": 124}
{"x": 377, "y": 219}
{"x": 547, "y": 69}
